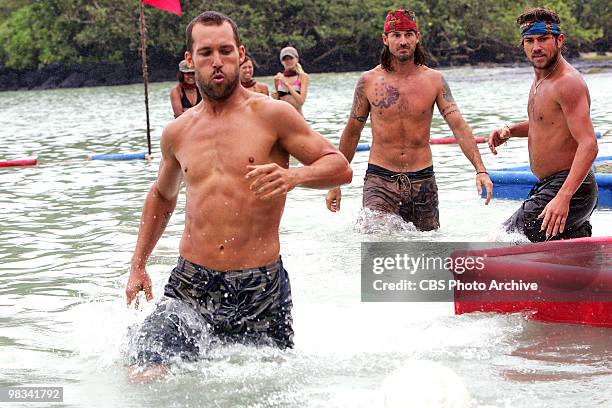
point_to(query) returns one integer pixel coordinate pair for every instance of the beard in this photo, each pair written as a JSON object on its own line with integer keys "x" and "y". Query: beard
{"x": 218, "y": 92}
{"x": 551, "y": 62}
{"x": 404, "y": 57}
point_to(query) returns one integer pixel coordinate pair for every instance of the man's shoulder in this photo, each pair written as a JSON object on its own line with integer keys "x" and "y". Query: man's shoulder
{"x": 377, "y": 70}
{"x": 570, "y": 83}
{"x": 368, "y": 76}
{"x": 267, "y": 107}
{"x": 175, "y": 127}
{"x": 430, "y": 73}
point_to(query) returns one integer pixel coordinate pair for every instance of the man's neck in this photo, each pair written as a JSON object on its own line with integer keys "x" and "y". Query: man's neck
{"x": 548, "y": 72}
{"x": 404, "y": 68}
{"x": 218, "y": 107}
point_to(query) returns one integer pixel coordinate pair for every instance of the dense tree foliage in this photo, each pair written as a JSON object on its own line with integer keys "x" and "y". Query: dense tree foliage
{"x": 330, "y": 35}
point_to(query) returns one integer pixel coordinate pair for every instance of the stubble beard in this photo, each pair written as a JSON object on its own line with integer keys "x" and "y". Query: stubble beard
{"x": 550, "y": 63}
{"x": 403, "y": 58}
{"x": 218, "y": 93}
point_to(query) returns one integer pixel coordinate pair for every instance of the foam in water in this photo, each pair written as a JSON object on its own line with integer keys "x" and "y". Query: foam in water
{"x": 372, "y": 221}
{"x": 424, "y": 384}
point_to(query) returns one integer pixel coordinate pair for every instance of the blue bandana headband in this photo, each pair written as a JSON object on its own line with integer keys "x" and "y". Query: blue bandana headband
{"x": 540, "y": 27}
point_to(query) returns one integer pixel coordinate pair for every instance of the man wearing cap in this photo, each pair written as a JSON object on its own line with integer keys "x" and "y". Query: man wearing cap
{"x": 291, "y": 85}
{"x": 400, "y": 94}
{"x": 562, "y": 144}
{"x": 185, "y": 94}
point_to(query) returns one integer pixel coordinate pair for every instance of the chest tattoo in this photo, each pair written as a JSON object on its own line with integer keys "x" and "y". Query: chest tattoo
{"x": 386, "y": 97}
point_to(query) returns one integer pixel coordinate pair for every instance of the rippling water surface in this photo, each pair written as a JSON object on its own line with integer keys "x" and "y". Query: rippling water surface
{"x": 69, "y": 227}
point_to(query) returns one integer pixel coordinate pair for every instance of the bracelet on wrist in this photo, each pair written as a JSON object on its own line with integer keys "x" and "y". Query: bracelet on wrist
{"x": 482, "y": 172}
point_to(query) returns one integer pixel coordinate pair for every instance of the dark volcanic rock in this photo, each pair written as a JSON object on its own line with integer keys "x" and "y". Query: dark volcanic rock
{"x": 74, "y": 80}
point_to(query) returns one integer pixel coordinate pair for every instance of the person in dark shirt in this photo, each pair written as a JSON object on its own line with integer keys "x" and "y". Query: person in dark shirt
{"x": 185, "y": 94}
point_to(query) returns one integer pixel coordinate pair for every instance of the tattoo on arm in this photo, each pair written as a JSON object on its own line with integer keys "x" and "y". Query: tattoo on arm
{"x": 359, "y": 118}
{"x": 446, "y": 92}
{"x": 166, "y": 219}
{"x": 361, "y": 106}
{"x": 450, "y": 109}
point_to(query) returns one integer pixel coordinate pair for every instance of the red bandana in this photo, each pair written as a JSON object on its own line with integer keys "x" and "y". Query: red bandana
{"x": 401, "y": 20}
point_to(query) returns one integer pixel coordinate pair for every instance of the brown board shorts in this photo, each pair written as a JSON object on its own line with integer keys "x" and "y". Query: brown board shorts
{"x": 412, "y": 195}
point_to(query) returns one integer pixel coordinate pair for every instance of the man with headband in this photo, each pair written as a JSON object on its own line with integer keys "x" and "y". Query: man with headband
{"x": 562, "y": 144}
{"x": 400, "y": 94}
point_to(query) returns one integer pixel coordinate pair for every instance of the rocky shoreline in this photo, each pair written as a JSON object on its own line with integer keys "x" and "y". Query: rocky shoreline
{"x": 106, "y": 74}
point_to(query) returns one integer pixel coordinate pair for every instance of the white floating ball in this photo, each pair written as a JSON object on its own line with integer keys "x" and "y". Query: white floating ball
{"x": 424, "y": 384}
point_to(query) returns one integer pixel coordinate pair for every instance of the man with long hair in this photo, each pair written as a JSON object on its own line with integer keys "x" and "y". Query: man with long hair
{"x": 562, "y": 144}
{"x": 400, "y": 94}
{"x": 232, "y": 151}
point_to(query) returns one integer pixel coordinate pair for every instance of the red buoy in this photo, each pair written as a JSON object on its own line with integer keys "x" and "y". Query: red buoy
{"x": 19, "y": 162}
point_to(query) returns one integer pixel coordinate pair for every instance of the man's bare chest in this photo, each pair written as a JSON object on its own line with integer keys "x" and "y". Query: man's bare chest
{"x": 393, "y": 100}
{"x": 223, "y": 149}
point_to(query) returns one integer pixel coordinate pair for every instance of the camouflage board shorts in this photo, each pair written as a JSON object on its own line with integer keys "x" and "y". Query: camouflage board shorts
{"x": 412, "y": 195}
{"x": 525, "y": 219}
{"x": 251, "y": 306}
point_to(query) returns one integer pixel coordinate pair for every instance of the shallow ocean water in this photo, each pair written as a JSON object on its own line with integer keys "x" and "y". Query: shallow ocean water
{"x": 69, "y": 227}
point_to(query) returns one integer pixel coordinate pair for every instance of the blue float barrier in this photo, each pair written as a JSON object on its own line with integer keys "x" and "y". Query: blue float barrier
{"x": 516, "y": 185}
{"x": 598, "y": 161}
{"x": 119, "y": 156}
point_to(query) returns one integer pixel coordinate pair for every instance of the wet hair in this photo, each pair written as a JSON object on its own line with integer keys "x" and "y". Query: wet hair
{"x": 539, "y": 14}
{"x": 386, "y": 57}
{"x": 210, "y": 18}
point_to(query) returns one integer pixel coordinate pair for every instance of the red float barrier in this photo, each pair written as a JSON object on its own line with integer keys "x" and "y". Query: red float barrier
{"x": 452, "y": 140}
{"x": 574, "y": 281}
{"x": 20, "y": 162}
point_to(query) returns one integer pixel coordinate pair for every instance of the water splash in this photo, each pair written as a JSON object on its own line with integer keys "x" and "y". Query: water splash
{"x": 372, "y": 222}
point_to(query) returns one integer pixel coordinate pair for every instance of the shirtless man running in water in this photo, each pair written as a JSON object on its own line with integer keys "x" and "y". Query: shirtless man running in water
{"x": 561, "y": 140}
{"x": 400, "y": 95}
{"x": 232, "y": 151}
